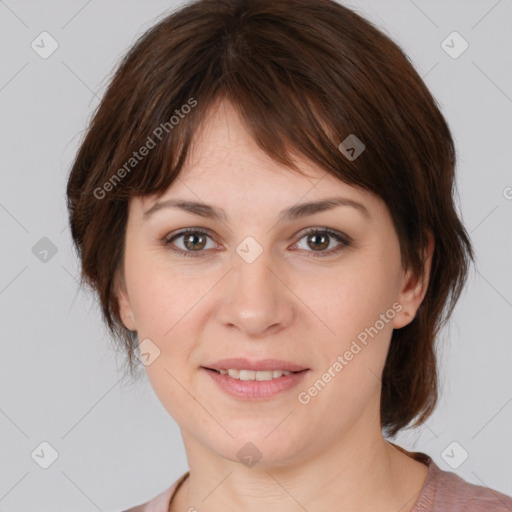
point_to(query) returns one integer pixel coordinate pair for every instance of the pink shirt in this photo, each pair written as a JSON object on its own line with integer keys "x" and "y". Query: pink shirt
{"x": 443, "y": 491}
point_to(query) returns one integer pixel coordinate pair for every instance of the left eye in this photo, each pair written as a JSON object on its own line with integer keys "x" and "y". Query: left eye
{"x": 320, "y": 240}
{"x": 194, "y": 241}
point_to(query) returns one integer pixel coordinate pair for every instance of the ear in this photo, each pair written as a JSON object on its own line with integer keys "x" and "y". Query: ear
{"x": 125, "y": 308}
{"x": 414, "y": 288}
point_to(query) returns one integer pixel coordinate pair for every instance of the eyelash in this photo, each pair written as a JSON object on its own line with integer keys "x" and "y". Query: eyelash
{"x": 345, "y": 242}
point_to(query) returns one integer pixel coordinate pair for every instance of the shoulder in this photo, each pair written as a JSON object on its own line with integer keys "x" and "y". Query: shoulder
{"x": 446, "y": 491}
{"x": 161, "y": 502}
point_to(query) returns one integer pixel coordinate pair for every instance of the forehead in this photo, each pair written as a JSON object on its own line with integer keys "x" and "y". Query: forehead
{"x": 225, "y": 165}
{"x": 223, "y": 146}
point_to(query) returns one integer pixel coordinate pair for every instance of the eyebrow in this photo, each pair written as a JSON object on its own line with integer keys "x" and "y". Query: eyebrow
{"x": 293, "y": 213}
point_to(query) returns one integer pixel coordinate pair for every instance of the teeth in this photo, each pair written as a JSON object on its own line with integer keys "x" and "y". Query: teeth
{"x": 254, "y": 375}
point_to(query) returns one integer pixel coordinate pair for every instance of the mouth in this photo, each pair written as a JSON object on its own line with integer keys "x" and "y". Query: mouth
{"x": 255, "y": 380}
{"x": 246, "y": 369}
{"x": 259, "y": 375}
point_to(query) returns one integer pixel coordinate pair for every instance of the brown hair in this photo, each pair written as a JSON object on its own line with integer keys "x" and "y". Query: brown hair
{"x": 304, "y": 75}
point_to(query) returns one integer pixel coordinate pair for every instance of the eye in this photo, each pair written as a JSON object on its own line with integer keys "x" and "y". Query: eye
{"x": 319, "y": 239}
{"x": 193, "y": 241}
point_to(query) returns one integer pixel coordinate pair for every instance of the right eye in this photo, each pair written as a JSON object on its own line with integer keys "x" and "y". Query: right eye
{"x": 194, "y": 240}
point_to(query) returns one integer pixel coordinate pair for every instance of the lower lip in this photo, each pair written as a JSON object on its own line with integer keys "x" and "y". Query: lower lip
{"x": 256, "y": 389}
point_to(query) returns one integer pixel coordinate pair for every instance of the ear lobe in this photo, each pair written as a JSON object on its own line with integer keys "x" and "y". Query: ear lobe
{"x": 414, "y": 288}
{"x": 125, "y": 308}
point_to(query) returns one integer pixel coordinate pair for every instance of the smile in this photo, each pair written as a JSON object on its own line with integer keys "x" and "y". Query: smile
{"x": 254, "y": 384}
{"x": 254, "y": 375}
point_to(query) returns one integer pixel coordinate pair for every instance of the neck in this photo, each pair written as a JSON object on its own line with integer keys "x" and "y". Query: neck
{"x": 352, "y": 474}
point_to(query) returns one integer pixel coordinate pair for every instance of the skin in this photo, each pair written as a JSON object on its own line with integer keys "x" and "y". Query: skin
{"x": 329, "y": 454}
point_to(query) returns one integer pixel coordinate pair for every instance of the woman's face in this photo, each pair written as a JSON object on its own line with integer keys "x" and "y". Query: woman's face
{"x": 254, "y": 285}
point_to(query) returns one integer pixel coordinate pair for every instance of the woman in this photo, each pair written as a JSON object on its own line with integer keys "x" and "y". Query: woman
{"x": 263, "y": 203}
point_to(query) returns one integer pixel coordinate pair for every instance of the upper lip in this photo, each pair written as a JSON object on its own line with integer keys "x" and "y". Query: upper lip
{"x": 240, "y": 363}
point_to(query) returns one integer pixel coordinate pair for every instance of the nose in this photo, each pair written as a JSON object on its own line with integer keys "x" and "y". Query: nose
{"x": 254, "y": 298}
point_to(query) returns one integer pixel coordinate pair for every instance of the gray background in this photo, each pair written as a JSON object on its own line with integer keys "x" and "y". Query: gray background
{"x": 60, "y": 380}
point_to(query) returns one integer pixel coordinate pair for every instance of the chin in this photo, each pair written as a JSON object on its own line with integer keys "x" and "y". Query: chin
{"x": 261, "y": 446}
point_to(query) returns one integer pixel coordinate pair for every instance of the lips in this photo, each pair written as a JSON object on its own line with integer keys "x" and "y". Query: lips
{"x": 241, "y": 363}
{"x": 255, "y": 385}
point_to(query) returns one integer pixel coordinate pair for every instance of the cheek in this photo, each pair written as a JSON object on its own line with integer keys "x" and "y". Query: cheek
{"x": 350, "y": 299}
{"x": 355, "y": 310}
{"x": 161, "y": 297}
{"x": 169, "y": 309}
{"x": 165, "y": 307}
